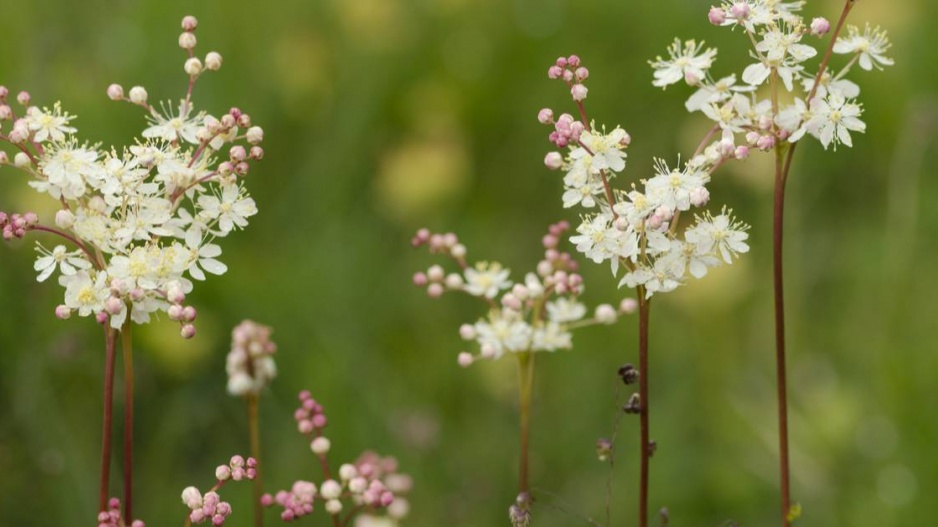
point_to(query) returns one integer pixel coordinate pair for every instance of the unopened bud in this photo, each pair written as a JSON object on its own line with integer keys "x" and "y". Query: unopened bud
{"x": 138, "y": 95}
{"x": 193, "y": 66}
{"x": 115, "y": 92}
{"x": 187, "y": 40}
{"x": 213, "y": 61}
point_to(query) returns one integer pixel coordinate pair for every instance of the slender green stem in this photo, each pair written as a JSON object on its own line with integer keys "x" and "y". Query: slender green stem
{"x": 255, "y": 433}
{"x": 128, "y": 352}
{"x": 644, "y": 306}
{"x": 525, "y": 385}
{"x": 110, "y": 340}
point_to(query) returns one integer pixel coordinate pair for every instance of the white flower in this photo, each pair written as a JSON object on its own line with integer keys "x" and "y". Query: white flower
{"x": 871, "y": 45}
{"x": 720, "y": 235}
{"x": 486, "y": 279}
{"x": 686, "y": 62}
{"x": 606, "y": 149}
{"x": 231, "y": 209}
{"x": 202, "y": 255}
{"x": 793, "y": 118}
{"x": 833, "y": 118}
{"x": 551, "y": 337}
{"x": 715, "y": 93}
{"x": 597, "y": 239}
{"x": 664, "y": 276}
{"x": 69, "y": 170}
{"x": 174, "y": 127}
{"x": 47, "y": 124}
{"x": 672, "y": 188}
{"x": 504, "y": 331}
{"x": 83, "y": 294}
{"x": 565, "y": 310}
{"x": 68, "y": 262}
{"x": 847, "y": 88}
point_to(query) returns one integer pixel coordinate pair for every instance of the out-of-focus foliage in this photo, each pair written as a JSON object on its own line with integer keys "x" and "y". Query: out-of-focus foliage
{"x": 385, "y": 115}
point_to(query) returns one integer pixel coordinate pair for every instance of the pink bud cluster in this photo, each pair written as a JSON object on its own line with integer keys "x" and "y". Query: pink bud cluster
{"x": 370, "y": 483}
{"x": 296, "y": 503}
{"x": 112, "y": 516}
{"x": 571, "y": 71}
{"x": 16, "y": 225}
{"x": 435, "y": 279}
{"x": 310, "y": 416}
{"x": 557, "y": 261}
{"x": 250, "y": 364}
{"x": 566, "y": 130}
{"x": 177, "y": 311}
{"x": 210, "y": 507}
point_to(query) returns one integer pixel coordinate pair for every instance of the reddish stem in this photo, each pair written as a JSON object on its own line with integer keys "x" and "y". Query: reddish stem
{"x": 644, "y": 306}
{"x": 110, "y": 339}
{"x": 128, "y": 421}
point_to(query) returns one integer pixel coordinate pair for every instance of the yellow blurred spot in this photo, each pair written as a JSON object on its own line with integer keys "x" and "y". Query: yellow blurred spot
{"x": 303, "y": 66}
{"x": 380, "y": 25}
{"x": 794, "y": 512}
{"x": 421, "y": 176}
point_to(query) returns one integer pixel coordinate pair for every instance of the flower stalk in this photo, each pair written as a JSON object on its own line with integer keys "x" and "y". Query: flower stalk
{"x": 255, "y": 434}
{"x": 128, "y": 354}
{"x": 110, "y": 339}
{"x": 644, "y": 310}
{"x": 525, "y": 389}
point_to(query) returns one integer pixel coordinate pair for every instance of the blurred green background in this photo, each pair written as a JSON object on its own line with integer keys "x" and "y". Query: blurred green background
{"x": 382, "y": 116}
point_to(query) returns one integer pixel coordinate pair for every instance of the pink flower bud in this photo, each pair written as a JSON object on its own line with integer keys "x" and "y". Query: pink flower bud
{"x": 30, "y": 218}
{"x": 511, "y": 302}
{"x": 4, "y": 92}
{"x": 115, "y": 92}
{"x": 626, "y": 139}
{"x": 23, "y": 98}
{"x": 137, "y": 294}
{"x": 113, "y": 305}
{"x": 606, "y": 314}
{"x": 567, "y": 76}
{"x": 189, "y": 313}
{"x": 740, "y": 11}
{"x": 554, "y": 72}
{"x": 582, "y": 74}
{"x": 742, "y": 152}
{"x": 435, "y": 290}
{"x": 561, "y": 62}
{"x": 223, "y": 472}
{"x": 257, "y": 152}
{"x": 464, "y": 359}
{"x": 138, "y": 95}
{"x": 691, "y": 79}
{"x": 193, "y": 66}
{"x": 545, "y": 116}
{"x": 189, "y": 23}
{"x": 717, "y": 16}
{"x": 820, "y": 26}
{"x": 573, "y": 61}
{"x": 752, "y": 137}
{"x": 628, "y": 306}
{"x": 237, "y": 153}
{"x": 62, "y": 312}
{"x": 435, "y": 273}
{"x": 255, "y": 135}
{"x": 654, "y": 222}
{"x": 699, "y": 196}
{"x": 187, "y": 40}
{"x": 420, "y": 279}
{"x": 187, "y": 331}
{"x": 101, "y": 317}
{"x": 766, "y": 142}
{"x": 664, "y": 213}
{"x": 553, "y": 160}
{"x": 213, "y": 61}
{"x": 174, "y": 312}
{"x": 5, "y": 112}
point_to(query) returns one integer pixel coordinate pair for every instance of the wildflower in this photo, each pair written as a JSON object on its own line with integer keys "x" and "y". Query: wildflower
{"x": 833, "y": 118}
{"x": 486, "y": 280}
{"x": 67, "y": 262}
{"x": 687, "y": 61}
{"x": 871, "y": 46}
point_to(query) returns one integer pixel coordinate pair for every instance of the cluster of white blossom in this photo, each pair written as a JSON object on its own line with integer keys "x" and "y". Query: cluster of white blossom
{"x": 824, "y": 107}
{"x": 536, "y": 315}
{"x": 638, "y": 229}
{"x": 137, "y": 223}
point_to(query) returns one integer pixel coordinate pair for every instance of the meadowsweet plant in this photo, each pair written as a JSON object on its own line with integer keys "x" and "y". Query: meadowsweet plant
{"x": 637, "y": 231}
{"x": 136, "y": 224}
{"x": 208, "y": 507}
{"x": 370, "y": 489}
{"x": 250, "y": 366}
{"x": 783, "y": 99}
{"x": 523, "y": 319}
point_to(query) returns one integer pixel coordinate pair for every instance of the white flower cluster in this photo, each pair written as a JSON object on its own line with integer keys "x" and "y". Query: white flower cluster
{"x": 823, "y": 106}
{"x": 638, "y": 229}
{"x": 537, "y": 315}
{"x": 250, "y": 363}
{"x": 143, "y": 221}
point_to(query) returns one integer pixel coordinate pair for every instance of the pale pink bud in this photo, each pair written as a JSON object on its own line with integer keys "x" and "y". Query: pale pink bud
{"x": 544, "y": 268}
{"x": 138, "y": 95}
{"x": 458, "y": 251}
{"x": 664, "y": 213}
{"x": 5, "y": 112}
{"x": 740, "y": 11}
{"x": 606, "y": 314}
{"x": 137, "y": 294}
{"x": 626, "y": 139}
{"x": 573, "y": 61}
{"x": 561, "y": 62}
{"x": 192, "y": 66}
{"x": 257, "y": 152}
{"x": 174, "y": 312}
{"x": 567, "y": 76}
{"x": 213, "y": 61}
{"x": 435, "y": 273}
{"x": 4, "y": 92}
{"x": 189, "y": 313}
{"x": 820, "y": 26}
{"x": 187, "y": 331}
{"x": 237, "y": 153}
{"x": 742, "y": 152}
{"x": 420, "y": 279}
{"x": 223, "y": 472}
{"x": 187, "y": 40}
{"x": 225, "y": 168}
{"x": 255, "y": 135}
{"x": 101, "y": 317}
{"x": 488, "y": 351}
{"x": 63, "y": 312}
{"x": 453, "y": 281}
{"x": 227, "y": 121}
{"x": 576, "y": 128}
{"x": 545, "y": 116}
{"x": 192, "y": 497}
{"x": 717, "y": 16}
{"x": 4, "y": 158}
{"x": 691, "y": 78}
{"x": 578, "y": 91}
{"x": 330, "y": 489}
{"x": 766, "y": 142}
{"x": 752, "y": 137}
{"x": 699, "y": 196}
{"x": 628, "y": 306}
{"x": 30, "y": 218}
{"x": 113, "y": 305}
{"x": 621, "y": 224}
{"x": 18, "y": 135}
{"x": 550, "y": 241}
{"x": 435, "y": 290}
{"x": 511, "y": 302}
{"x": 464, "y": 359}
{"x": 554, "y": 72}
{"x": 23, "y": 98}
{"x": 115, "y": 92}
{"x": 765, "y": 122}
{"x": 189, "y": 23}
{"x": 244, "y": 120}
{"x": 582, "y": 74}
{"x": 553, "y": 160}
{"x": 654, "y": 222}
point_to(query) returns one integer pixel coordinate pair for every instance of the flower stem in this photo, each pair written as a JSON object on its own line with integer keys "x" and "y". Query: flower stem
{"x": 110, "y": 340}
{"x": 254, "y": 431}
{"x": 644, "y": 306}
{"x": 525, "y": 385}
{"x": 128, "y": 353}
{"x": 781, "y": 382}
